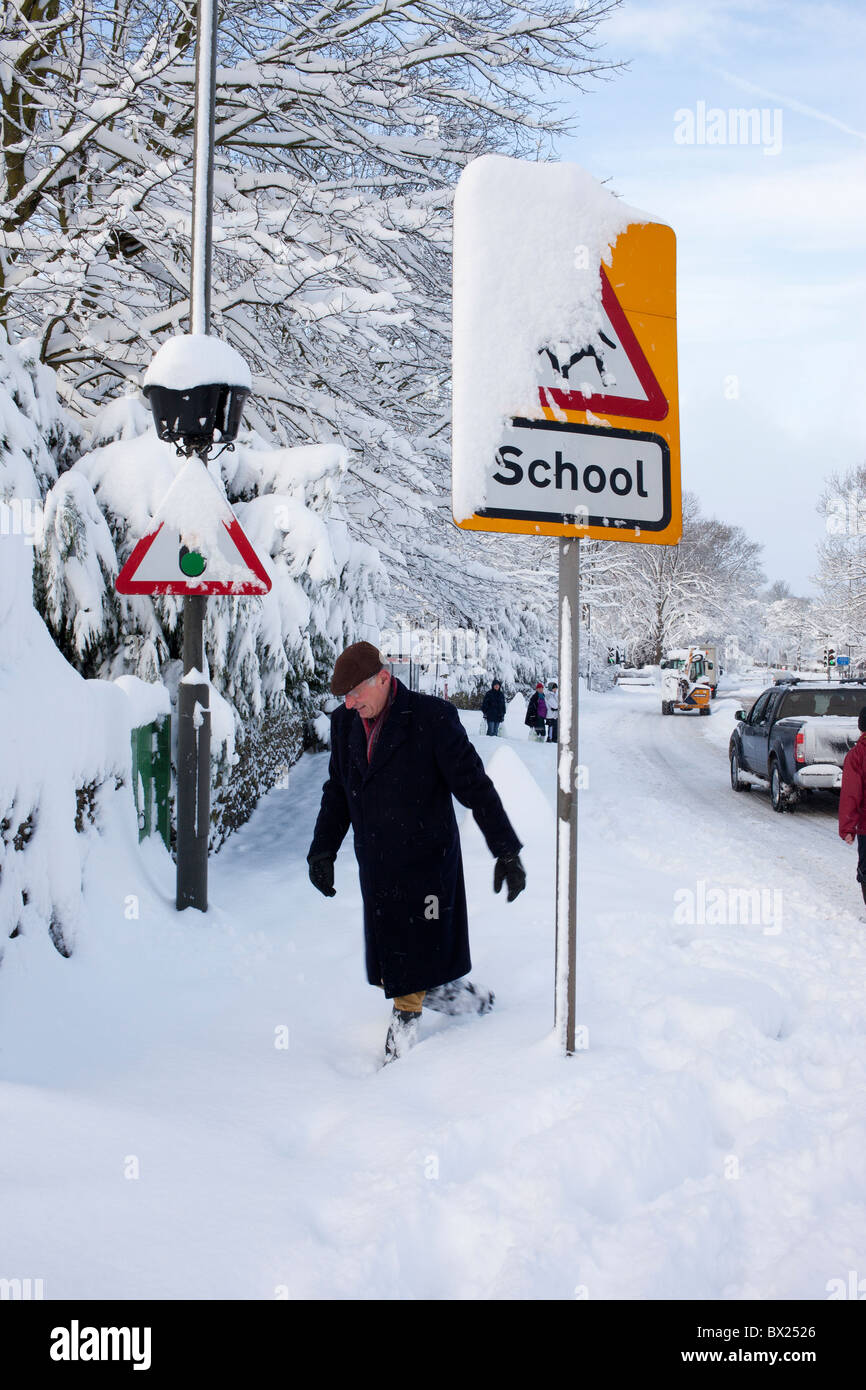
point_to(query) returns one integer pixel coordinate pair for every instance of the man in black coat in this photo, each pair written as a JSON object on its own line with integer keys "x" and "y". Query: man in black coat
{"x": 493, "y": 708}
{"x": 397, "y": 757}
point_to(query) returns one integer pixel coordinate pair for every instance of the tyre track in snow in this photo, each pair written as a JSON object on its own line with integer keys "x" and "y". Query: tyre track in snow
{"x": 788, "y": 1097}
{"x": 766, "y": 1027}
{"x": 675, "y": 765}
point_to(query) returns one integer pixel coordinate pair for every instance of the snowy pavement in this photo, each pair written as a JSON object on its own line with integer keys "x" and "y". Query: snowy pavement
{"x": 194, "y": 1105}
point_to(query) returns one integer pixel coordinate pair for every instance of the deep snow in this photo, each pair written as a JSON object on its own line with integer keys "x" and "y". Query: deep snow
{"x": 707, "y": 1143}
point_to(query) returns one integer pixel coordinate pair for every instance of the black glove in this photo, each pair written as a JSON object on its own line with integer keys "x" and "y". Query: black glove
{"x": 322, "y": 874}
{"x": 508, "y": 869}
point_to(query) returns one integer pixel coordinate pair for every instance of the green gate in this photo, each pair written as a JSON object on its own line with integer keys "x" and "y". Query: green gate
{"x": 151, "y": 777}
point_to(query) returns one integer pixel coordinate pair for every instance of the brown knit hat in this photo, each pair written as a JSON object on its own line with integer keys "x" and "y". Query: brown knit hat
{"x": 357, "y": 663}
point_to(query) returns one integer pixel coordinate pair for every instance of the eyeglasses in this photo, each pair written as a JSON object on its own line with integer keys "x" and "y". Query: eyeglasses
{"x": 360, "y": 686}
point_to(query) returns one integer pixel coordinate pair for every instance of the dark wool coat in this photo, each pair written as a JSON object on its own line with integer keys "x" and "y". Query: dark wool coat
{"x": 493, "y": 705}
{"x": 407, "y": 843}
{"x": 532, "y": 717}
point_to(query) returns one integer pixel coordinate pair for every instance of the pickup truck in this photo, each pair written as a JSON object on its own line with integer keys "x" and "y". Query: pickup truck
{"x": 796, "y": 737}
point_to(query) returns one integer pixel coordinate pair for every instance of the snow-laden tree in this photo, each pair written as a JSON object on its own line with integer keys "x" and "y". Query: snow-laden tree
{"x": 840, "y": 608}
{"x": 701, "y": 589}
{"x": 340, "y": 130}
{"x": 790, "y": 626}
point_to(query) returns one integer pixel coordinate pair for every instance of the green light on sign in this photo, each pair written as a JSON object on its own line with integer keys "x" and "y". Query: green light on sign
{"x": 192, "y": 564}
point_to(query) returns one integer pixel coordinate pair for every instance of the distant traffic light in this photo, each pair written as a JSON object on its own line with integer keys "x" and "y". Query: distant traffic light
{"x": 831, "y": 657}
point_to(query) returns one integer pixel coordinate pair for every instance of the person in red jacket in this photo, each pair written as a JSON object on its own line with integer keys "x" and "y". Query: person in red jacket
{"x": 852, "y": 800}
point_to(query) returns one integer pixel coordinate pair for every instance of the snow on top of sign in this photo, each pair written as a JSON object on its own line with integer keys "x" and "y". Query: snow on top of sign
{"x": 197, "y": 359}
{"x": 528, "y": 243}
{"x": 196, "y": 507}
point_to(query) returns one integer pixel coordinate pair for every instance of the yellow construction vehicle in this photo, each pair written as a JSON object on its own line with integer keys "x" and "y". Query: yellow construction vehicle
{"x": 687, "y": 684}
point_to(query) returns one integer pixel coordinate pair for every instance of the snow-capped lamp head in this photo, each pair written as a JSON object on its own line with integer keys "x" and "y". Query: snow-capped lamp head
{"x": 196, "y": 387}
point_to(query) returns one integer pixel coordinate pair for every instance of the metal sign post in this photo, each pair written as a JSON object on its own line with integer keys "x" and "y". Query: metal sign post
{"x": 566, "y": 793}
{"x": 193, "y": 701}
{"x": 193, "y": 763}
{"x": 202, "y": 174}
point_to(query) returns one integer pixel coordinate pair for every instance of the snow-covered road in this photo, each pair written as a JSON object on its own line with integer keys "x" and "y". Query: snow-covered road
{"x": 195, "y": 1107}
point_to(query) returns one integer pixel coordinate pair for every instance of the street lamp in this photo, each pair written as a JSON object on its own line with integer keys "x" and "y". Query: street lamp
{"x": 196, "y": 387}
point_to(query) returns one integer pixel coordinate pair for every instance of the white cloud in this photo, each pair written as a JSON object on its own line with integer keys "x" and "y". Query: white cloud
{"x": 675, "y": 28}
{"x": 731, "y": 198}
{"x": 669, "y": 27}
{"x": 792, "y": 104}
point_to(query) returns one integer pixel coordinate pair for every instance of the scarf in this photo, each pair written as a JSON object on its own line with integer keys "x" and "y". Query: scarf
{"x": 373, "y": 727}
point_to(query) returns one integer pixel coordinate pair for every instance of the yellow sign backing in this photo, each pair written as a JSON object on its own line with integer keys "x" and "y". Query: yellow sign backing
{"x": 600, "y": 457}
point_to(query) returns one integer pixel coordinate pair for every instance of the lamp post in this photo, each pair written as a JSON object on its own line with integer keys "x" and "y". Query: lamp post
{"x": 193, "y": 742}
{"x": 194, "y": 394}
{"x": 190, "y": 409}
{"x": 196, "y": 387}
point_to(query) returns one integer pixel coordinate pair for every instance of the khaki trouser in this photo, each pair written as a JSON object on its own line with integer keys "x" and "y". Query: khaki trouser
{"x": 410, "y": 1003}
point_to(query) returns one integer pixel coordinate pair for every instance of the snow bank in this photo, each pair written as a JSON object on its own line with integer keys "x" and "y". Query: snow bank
{"x": 65, "y": 774}
{"x": 705, "y": 1142}
{"x": 65, "y": 768}
{"x": 147, "y": 700}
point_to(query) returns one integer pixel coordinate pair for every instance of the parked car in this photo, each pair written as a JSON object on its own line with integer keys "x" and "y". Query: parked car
{"x": 795, "y": 737}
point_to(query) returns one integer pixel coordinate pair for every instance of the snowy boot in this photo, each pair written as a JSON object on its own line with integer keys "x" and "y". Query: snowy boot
{"x": 402, "y": 1034}
{"x": 459, "y": 997}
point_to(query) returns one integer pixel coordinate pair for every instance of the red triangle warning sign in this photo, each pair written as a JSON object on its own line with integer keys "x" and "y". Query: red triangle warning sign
{"x": 610, "y": 375}
{"x": 196, "y": 545}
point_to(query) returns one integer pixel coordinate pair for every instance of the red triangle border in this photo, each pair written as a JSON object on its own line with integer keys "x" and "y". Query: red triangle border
{"x": 125, "y": 583}
{"x": 655, "y": 407}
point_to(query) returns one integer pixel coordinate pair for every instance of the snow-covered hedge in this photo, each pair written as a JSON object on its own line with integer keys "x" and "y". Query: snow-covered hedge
{"x": 268, "y": 657}
{"x": 65, "y": 763}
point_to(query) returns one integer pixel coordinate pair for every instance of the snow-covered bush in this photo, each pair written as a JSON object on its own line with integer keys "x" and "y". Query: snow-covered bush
{"x": 268, "y": 657}
{"x": 65, "y": 761}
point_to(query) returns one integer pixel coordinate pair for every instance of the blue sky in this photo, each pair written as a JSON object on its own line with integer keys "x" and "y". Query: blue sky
{"x": 771, "y": 265}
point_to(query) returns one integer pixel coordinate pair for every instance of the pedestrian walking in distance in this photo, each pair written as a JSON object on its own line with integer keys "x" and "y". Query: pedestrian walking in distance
{"x": 536, "y": 713}
{"x": 552, "y": 718}
{"x": 493, "y": 708}
{"x": 852, "y": 800}
{"x": 397, "y": 758}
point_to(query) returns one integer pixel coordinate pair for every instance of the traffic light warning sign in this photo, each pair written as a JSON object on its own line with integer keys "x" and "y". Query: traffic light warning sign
{"x": 196, "y": 545}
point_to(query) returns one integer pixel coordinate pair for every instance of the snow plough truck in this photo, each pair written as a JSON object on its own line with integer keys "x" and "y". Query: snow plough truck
{"x": 689, "y": 681}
